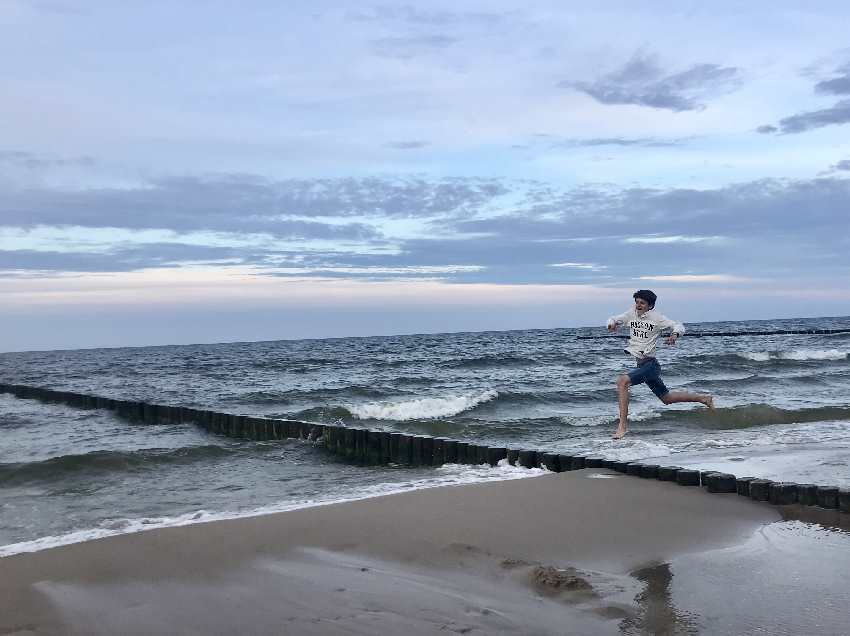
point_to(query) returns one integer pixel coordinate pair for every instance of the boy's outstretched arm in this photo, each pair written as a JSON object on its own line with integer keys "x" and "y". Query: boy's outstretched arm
{"x": 676, "y": 327}
{"x": 614, "y": 322}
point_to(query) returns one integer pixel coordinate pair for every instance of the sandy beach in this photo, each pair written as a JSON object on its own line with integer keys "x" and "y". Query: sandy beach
{"x": 575, "y": 553}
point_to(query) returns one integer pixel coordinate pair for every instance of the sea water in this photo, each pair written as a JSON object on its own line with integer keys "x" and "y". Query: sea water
{"x": 783, "y": 412}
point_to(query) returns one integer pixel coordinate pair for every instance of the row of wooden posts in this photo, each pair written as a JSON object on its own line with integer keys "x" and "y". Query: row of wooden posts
{"x": 385, "y": 447}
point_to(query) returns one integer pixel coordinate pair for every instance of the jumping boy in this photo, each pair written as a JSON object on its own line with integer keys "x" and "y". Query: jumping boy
{"x": 646, "y": 326}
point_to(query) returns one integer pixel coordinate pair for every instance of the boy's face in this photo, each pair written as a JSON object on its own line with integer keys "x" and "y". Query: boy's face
{"x": 641, "y": 305}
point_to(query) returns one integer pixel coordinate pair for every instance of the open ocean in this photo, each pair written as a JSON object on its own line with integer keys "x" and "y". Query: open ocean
{"x": 68, "y": 475}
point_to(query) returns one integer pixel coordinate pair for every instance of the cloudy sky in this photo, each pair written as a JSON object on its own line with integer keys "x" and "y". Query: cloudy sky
{"x": 175, "y": 172}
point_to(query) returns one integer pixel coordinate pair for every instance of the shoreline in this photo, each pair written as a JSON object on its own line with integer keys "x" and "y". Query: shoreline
{"x": 547, "y": 552}
{"x": 134, "y": 526}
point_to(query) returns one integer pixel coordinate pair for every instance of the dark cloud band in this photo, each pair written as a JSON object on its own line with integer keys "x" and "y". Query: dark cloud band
{"x": 802, "y": 122}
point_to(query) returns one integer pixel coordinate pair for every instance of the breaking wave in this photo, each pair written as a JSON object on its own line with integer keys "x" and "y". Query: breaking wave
{"x": 798, "y": 355}
{"x": 423, "y": 408}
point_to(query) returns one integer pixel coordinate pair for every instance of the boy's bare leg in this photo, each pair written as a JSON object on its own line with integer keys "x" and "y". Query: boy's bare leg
{"x": 623, "y": 384}
{"x": 679, "y": 396}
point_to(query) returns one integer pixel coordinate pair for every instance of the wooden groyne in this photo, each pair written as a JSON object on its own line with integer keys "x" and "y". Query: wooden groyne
{"x": 370, "y": 447}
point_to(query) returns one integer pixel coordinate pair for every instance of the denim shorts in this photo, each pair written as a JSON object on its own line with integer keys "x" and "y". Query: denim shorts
{"x": 648, "y": 370}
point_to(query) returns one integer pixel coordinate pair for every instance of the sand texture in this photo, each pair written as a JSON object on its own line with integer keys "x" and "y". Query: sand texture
{"x": 572, "y": 553}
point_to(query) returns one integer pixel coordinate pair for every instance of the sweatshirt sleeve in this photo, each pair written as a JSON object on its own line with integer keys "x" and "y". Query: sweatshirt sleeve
{"x": 618, "y": 320}
{"x": 676, "y": 327}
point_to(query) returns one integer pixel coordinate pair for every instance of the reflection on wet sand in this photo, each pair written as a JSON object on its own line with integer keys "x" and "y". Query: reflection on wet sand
{"x": 656, "y": 612}
{"x": 831, "y": 519}
{"x": 788, "y": 579}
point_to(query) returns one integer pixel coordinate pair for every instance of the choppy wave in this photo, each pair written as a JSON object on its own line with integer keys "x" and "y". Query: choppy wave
{"x": 415, "y": 380}
{"x": 798, "y": 355}
{"x": 486, "y": 362}
{"x": 404, "y": 362}
{"x": 579, "y": 396}
{"x": 774, "y": 381}
{"x": 508, "y": 431}
{"x": 10, "y": 421}
{"x": 319, "y": 394}
{"x": 259, "y": 397}
{"x": 585, "y": 421}
{"x": 286, "y": 363}
{"x": 553, "y": 392}
{"x": 323, "y": 414}
{"x": 732, "y": 381}
{"x": 752, "y": 415}
{"x": 99, "y": 462}
{"x": 422, "y": 408}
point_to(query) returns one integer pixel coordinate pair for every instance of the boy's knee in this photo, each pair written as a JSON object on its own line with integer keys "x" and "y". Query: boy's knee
{"x": 624, "y": 381}
{"x": 665, "y": 398}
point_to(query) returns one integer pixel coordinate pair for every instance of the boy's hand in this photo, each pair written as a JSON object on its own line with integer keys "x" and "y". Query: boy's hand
{"x": 671, "y": 339}
{"x": 613, "y": 327}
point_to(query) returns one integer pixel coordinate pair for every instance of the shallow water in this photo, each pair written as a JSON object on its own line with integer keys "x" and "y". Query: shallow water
{"x": 788, "y": 579}
{"x": 783, "y": 412}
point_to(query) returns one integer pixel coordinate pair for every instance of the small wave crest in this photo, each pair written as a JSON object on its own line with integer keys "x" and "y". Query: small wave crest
{"x": 99, "y": 462}
{"x": 486, "y": 362}
{"x": 585, "y": 421}
{"x": 284, "y": 364}
{"x": 576, "y": 396}
{"x": 327, "y": 415}
{"x": 287, "y": 397}
{"x": 754, "y": 415}
{"x": 797, "y": 355}
{"x": 422, "y": 408}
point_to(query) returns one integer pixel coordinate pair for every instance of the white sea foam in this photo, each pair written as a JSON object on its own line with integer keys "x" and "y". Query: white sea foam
{"x": 757, "y": 356}
{"x": 632, "y": 448}
{"x": 446, "y": 475}
{"x": 832, "y": 434}
{"x": 423, "y": 408}
{"x": 644, "y": 412}
{"x": 795, "y": 354}
{"x": 725, "y": 443}
{"x": 588, "y": 420}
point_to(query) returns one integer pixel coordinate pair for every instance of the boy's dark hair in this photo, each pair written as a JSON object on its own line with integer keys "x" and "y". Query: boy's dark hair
{"x": 647, "y": 295}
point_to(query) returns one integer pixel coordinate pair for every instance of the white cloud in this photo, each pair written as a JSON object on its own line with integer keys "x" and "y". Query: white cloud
{"x": 188, "y": 285}
{"x": 655, "y": 239}
{"x": 377, "y": 271}
{"x": 697, "y": 278}
{"x": 105, "y": 240}
{"x": 588, "y": 266}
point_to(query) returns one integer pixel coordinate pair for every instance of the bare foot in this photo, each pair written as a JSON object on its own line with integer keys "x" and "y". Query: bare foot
{"x": 620, "y": 433}
{"x": 709, "y": 402}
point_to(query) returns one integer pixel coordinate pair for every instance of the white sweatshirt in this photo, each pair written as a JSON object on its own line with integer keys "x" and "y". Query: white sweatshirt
{"x": 645, "y": 330}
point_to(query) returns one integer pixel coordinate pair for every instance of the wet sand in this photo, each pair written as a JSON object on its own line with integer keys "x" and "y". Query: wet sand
{"x": 584, "y": 552}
